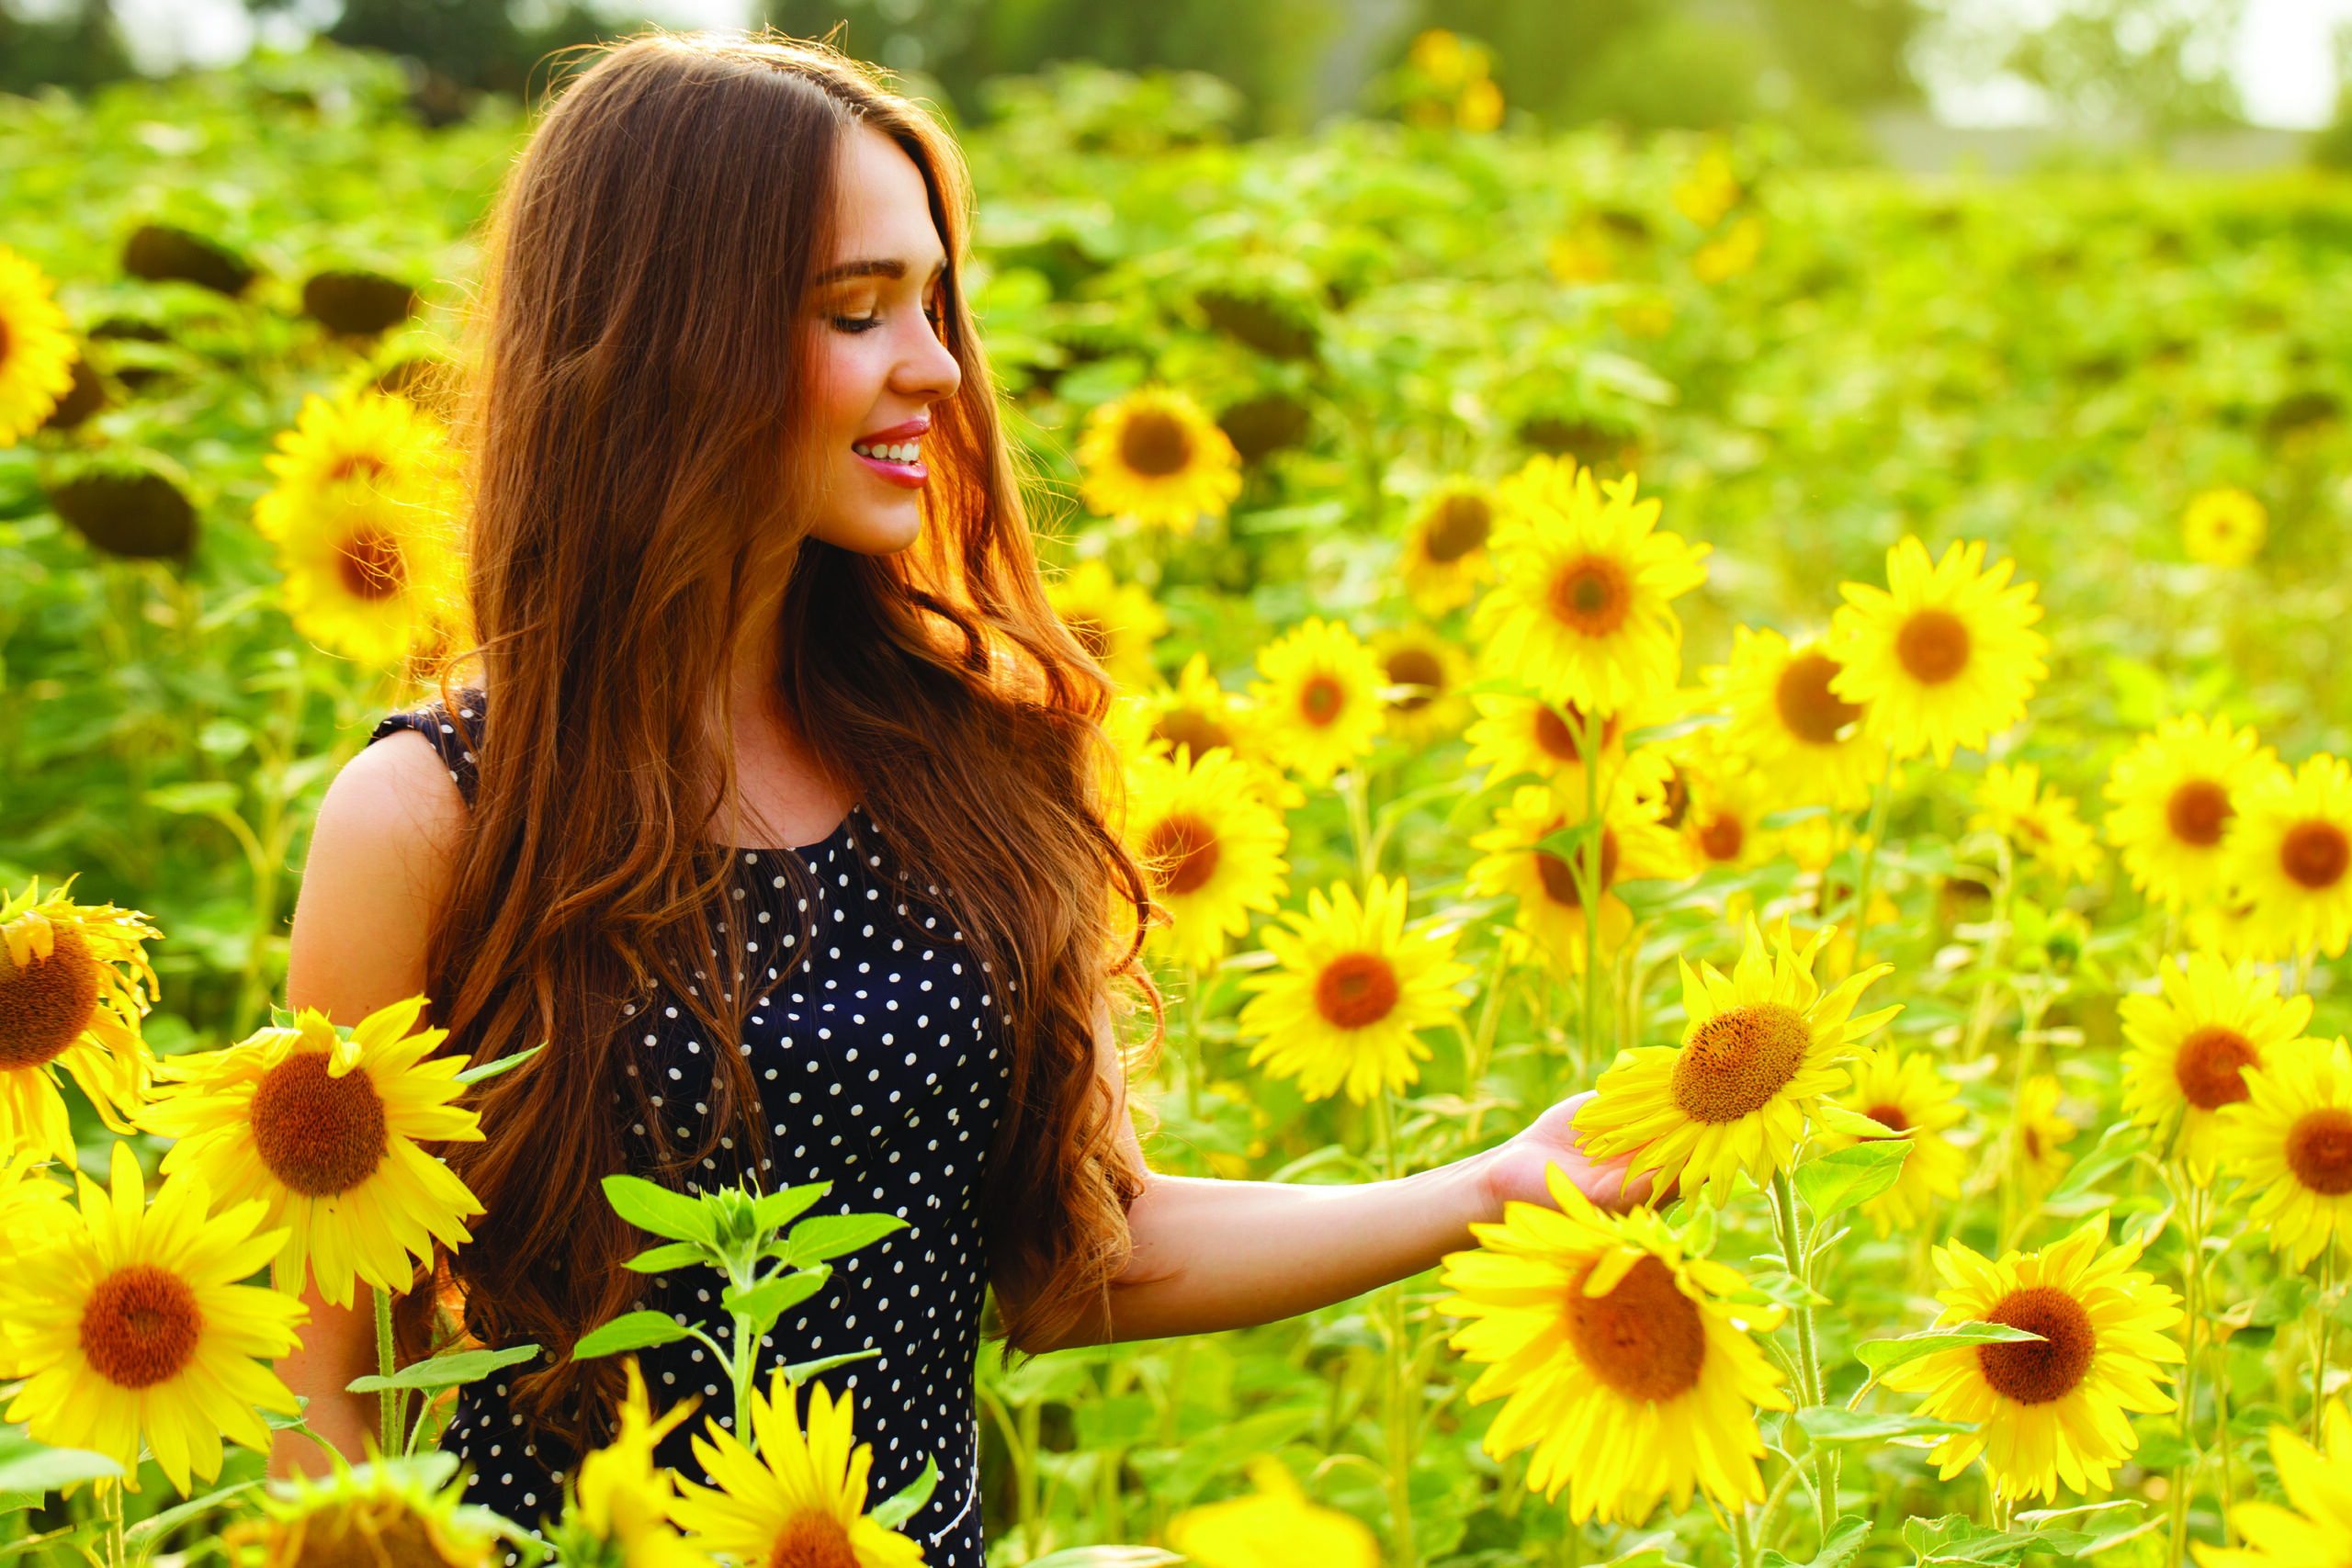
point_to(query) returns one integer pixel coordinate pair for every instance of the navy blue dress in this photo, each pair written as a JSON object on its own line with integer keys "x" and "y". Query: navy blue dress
{"x": 881, "y": 1061}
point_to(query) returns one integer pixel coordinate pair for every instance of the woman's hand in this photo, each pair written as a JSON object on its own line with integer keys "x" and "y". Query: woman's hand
{"x": 1514, "y": 1171}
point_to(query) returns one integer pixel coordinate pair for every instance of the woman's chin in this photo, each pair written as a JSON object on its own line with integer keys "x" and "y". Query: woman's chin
{"x": 883, "y": 531}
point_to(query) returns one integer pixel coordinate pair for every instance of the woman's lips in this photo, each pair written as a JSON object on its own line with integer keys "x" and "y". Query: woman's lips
{"x": 906, "y": 475}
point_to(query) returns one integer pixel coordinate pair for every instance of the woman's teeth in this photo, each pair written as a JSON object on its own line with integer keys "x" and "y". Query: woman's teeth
{"x": 888, "y": 451}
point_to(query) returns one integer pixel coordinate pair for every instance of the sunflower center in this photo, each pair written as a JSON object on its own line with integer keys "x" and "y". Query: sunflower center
{"x": 1645, "y": 1338}
{"x": 1461, "y": 526}
{"x": 1560, "y": 878}
{"x": 4, "y": 344}
{"x": 1592, "y": 595}
{"x": 1155, "y": 444}
{"x": 811, "y": 1539}
{"x": 1722, "y": 837}
{"x": 357, "y": 1536}
{"x": 356, "y": 465}
{"x": 2319, "y": 1151}
{"x": 1356, "y": 990}
{"x": 2209, "y": 1067}
{"x": 1813, "y": 713}
{"x": 1191, "y": 727}
{"x": 46, "y": 1005}
{"x": 2198, "y": 812}
{"x": 1738, "y": 1060}
{"x": 1089, "y": 635}
{"x": 2315, "y": 855}
{"x": 319, "y": 1134}
{"x": 1416, "y": 666}
{"x": 1321, "y": 700}
{"x": 2037, "y": 1372}
{"x": 1932, "y": 646}
{"x": 1563, "y": 738}
{"x": 1183, "y": 851}
{"x": 141, "y": 1325}
{"x": 1890, "y": 1117}
{"x": 370, "y": 566}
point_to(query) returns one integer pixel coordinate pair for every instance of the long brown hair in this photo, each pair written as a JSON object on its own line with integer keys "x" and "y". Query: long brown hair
{"x": 637, "y": 375}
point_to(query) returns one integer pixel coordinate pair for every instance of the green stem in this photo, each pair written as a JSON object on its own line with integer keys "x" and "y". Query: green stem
{"x": 1743, "y": 1539}
{"x": 2322, "y": 1324}
{"x": 2192, "y": 1275}
{"x": 111, "y": 1509}
{"x": 1398, "y": 1386}
{"x": 742, "y": 1366}
{"x": 1868, "y": 874}
{"x": 1589, "y": 871}
{"x": 1784, "y": 1205}
{"x": 388, "y": 1403}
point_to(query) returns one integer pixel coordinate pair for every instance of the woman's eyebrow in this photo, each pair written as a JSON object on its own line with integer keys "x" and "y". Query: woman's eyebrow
{"x": 873, "y": 268}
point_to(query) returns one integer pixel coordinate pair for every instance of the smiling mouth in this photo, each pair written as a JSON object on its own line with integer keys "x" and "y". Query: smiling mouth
{"x": 903, "y": 453}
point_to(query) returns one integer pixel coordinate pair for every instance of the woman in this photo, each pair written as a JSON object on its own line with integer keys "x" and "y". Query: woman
{"x": 774, "y": 808}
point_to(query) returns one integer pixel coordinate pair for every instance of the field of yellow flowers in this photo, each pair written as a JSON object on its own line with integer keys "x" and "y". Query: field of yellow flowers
{"x": 1848, "y": 667}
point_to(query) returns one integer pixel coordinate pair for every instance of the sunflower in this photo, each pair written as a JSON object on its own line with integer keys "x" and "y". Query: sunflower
{"x": 32, "y": 1207}
{"x": 1352, "y": 992}
{"x": 1444, "y": 559}
{"x": 2036, "y": 820}
{"x": 1625, "y": 1367}
{"x": 127, "y": 1323}
{"x": 1155, "y": 456}
{"x": 2040, "y": 1134}
{"x": 1581, "y": 612}
{"x": 1274, "y": 1526}
{"x": 1724, "y": 811}
{"x": 369, "y": 439}
{"x": 2290, "y": 1142}
{"x": 36, "y": 354}
{"x": 1803, "y": 736}
{"x": 1211, "y": 849}
{"x": 1910, "y": 1098}
{"x": 322, "y": 1132}
{"x": 2223, "y": 527}
{"x": 1198, "y": 716}
{"x": 1431, "y": 670}
{"x": 1515, "y": 735}
{"x": 76, "y": 986}
{"x": 1758, "y": 1053}
{"x": 801, "y": 1499}
{"x": 2289, "y": 853}
{"x": 1318, "y": 701}
{"x": 2191, "y": 1044}
{"x": 2318, "y": 1484}
{"x": 1115, "y": 622}
{"x": 1633, "y": 846}
{"x": 2052, "y": 1409}
{"x": 623, "y": 1497}
{"x": 1941, "y": 657}
{"x": 371, "y": 574}
{"x": 406, "y": 1511}
{"x": 2174, "y": 793}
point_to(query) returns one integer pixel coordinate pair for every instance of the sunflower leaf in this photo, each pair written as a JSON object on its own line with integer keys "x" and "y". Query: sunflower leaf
{"x": 1838, "y": 1182}
{"x": 801, "y": 1372}
{"x": 1883, "y": 1356}
{"x": 149, "y": 1529}
{"x": 30, "y": 1467}
{"x": 763, "y": 1301}
{"x": 507, "y": 1063}
{"x": 661, "y": 1210}
{"x": 1831, "y": 1424}
{"x": 445, "y": 1372}
{"x": 630, "y": 1331}
{"x": 777, "y": 1210}
{"x": 831, "y": 1236}
{"x": 2118, "y": 1147}
{"x": 671, "y": 1255}
{"x": 904, "y": 1503}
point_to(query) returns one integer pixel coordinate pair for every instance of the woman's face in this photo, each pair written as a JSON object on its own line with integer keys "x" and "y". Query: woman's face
{"x": 875, "y": 360}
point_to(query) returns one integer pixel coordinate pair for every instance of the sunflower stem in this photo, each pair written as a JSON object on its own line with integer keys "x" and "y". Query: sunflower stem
{"x": 1743, "y": 1537}
{"x": 1784, "y": 1205}
{"x": 111, "y": 1509}
{"x": 1867, "y": 872}
{"x": 1587, "y": 872}
{"x": 388, "y": 1403}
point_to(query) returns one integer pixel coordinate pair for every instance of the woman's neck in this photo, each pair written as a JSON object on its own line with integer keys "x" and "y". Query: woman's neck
{"x": 783, "y": 796}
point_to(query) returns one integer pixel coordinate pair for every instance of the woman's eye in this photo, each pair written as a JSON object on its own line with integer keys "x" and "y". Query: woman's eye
{"x": 856, "y": 323}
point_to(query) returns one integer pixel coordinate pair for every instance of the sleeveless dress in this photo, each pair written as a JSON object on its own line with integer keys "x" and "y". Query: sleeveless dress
{"x": 881, "y": 1063}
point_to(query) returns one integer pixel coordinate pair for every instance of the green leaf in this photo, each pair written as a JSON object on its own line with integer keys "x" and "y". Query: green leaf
{"x": 1829, "y": 1424}
{"x": 212, "y": 799}
{"x": 1845, "y": 1540}
{"x": 661, "y": 1210}
{"x": 1777, "y": 1287}
{"x": 1883, "y": 1356}
{"x": 31, "y": 1467}
{"x": 1838, "y": 1182}
{"x": 630, "y": 1331}
{"x": 170, "y": 1520}
{"x": 766, "y": 1300}
{"x": 2281, "y": 1302}
{"x": 777, "y": 1210}
{"x": 506, "y": 1064}
{"x": 799, "y": 1372}
{"x": 831, "y": 1236}
{"x": 669, "y": 1255}
{"x": 445, "y": 1372}
{"x": 904, "y": 1503}
{"x": 35, "y": 1542}
{"x": 2118, "y": 1147}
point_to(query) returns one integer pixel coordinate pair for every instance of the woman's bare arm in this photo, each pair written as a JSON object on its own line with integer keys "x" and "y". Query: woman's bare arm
{"x": 376, "y": 874}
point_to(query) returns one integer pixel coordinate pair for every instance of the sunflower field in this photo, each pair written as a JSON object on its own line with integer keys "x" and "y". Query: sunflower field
{"x": 1836, "y": 663}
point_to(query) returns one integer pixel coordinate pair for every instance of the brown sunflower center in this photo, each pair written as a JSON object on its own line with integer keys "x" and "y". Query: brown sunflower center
{"x": 4, "y": 343}
{"x": 1813, "y": 713}
{"x": 1415, "y": 667}
{"x": 1564, "y": 738}
{"x": 1191, "y": 727}
{"x": 370, "y": 566}
{"x": 318, "y": 1133}
{"x": 2035, "y": 1372}
{"x": 360, "y": 1536}
{"x": 2209, "y": 1066}
{"x": 1592, "y": 595}
{"x": 1720, "y": 840}
{"x": 2198, "y": 812}
{"x": 1356, "y": 990}
{"x": 46, "y": 1005}
{"x": 1182, "y": 850}
{"x": 1459, "y": 525}
{"x": 2319, "y": 1151}
{"x": 2315, "y": 855}
{"x": 1644, "y": 1338}
{"x": 1089, "y": 635}
{"x": 1890, "y": 1117}
{"x": 1932, "y": 646}
{"x": 1738, "y": 1060}
{"x": 1155, "y": 444}
{"x": 358, "y": 464}
{"x": 811, "y": 1539}
{"x": 141, "y": 1325}
{"x": 1321, "y": 700}
{"x": 1560, "y": 877}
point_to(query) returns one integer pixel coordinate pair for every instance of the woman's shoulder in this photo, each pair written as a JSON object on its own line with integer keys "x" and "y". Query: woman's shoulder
{"x": 450, "y": 725}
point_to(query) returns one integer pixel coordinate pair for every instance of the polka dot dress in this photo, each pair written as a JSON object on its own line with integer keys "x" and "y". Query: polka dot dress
{"x": 881, "y": 1066}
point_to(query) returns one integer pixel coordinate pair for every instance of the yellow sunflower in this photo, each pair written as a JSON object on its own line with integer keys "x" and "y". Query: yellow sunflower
{"x": 800, "y": 1499}
{"x": 2223, "y": 527}
{"x": 368, "y": 438}
{"x": 2319, "y": 1484}
{"x": 1115, "y": 622}
{"x": 1911, "y": 1100}
{"x": 622, "y": 1496}
{"x": 1941, "y": 657}
{"x": 1515, "y": 735}
{"x": 1211, "y": 847}
{"x": 36, "y": 352}
{"x": 2191, "y": 1044}
{"x": 371, "y": 574}
{"x": 1724, "y": 811}
{"x": 1318, "y": 700}
{"x": 2036, "y": 820}
{"x": 1581, "y": 612}
{"x": 1346, "y": 1006}
{"x": 32, "y": 1206}
{"x": 76, "y": 986}
{"x": 1198, "y": 716}
{"x": 1431, "y": 670}
{"x": 128, "y": 1324}
{"x": 1444, "y": 559}
{"x": 2290, "y": 1142}
{"x": 1625, "y": 1367}
{"x": 1274, "y": 1526}
{"x": 1155, "y": 456}
{"x": 1633, "y": 846}
{"x": 2288, "y": 852}
{"x": 408, "y": 1511}
{"x": 1803, "y": 736}
{"x": 2040, "y": 1133}
{"x": 1759, "y": 1053}
{"x": 2052, "y": 1410}
{"x": 2174, "y": 793}
{"x": 323, "y": 1131}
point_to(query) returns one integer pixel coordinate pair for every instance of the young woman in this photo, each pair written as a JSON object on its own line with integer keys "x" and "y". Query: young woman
{"x": 774, "y": 808}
